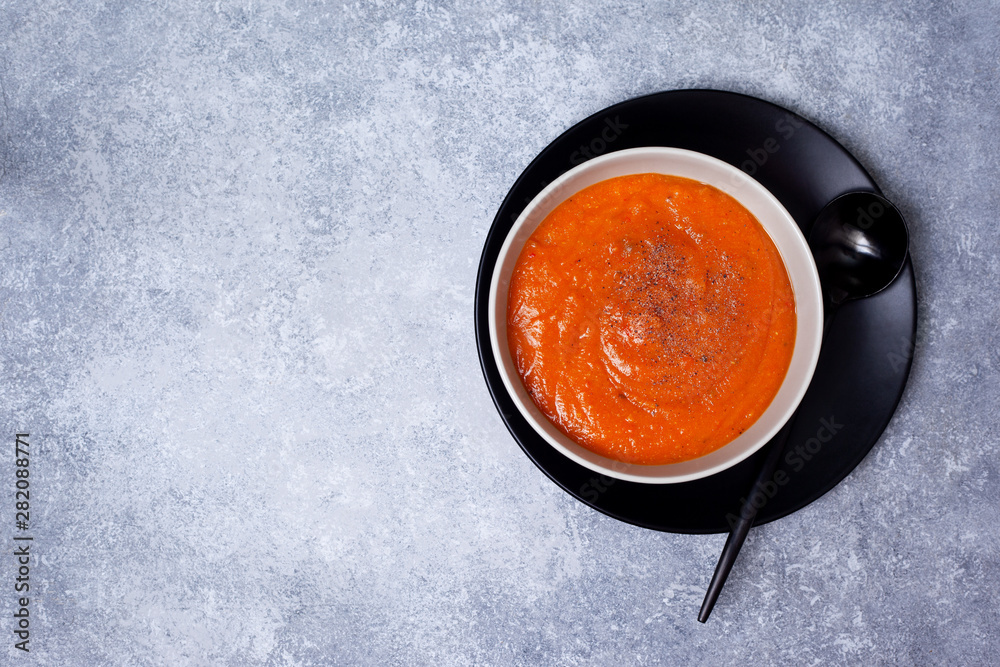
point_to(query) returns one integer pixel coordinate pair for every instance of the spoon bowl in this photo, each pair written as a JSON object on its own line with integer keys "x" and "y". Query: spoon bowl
{"x": 859, "y": 241}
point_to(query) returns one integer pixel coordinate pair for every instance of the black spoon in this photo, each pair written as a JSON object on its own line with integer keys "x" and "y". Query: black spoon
{"x": 859, "y": 241}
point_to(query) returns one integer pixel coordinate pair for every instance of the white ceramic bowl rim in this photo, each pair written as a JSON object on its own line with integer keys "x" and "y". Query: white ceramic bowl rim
{"x": 785, "y": 234}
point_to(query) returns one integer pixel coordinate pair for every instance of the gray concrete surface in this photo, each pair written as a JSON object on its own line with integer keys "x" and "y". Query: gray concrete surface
{"x": 239, "y": 247}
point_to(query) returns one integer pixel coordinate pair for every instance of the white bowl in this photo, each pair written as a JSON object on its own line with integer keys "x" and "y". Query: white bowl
{"x": 785, "y": 234}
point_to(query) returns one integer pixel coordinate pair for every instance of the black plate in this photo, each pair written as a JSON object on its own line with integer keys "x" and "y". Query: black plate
{"x": 865, "y": 358}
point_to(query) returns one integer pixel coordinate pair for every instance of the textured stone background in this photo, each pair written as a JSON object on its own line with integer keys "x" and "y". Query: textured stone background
{"x": 239, "y": 248}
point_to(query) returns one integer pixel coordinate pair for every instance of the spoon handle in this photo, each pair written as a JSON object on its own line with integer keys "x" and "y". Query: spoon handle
{"x": 748, "y": 512}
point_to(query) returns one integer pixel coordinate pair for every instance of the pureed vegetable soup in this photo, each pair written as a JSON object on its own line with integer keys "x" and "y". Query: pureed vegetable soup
{"x": 651, "y": 318}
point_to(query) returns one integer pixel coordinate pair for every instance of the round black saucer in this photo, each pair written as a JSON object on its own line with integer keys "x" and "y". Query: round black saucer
{"x": 866, "y": 356}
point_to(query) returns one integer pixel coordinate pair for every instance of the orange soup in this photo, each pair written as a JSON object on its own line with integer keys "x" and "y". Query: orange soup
{"x": 651, "y": 318}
